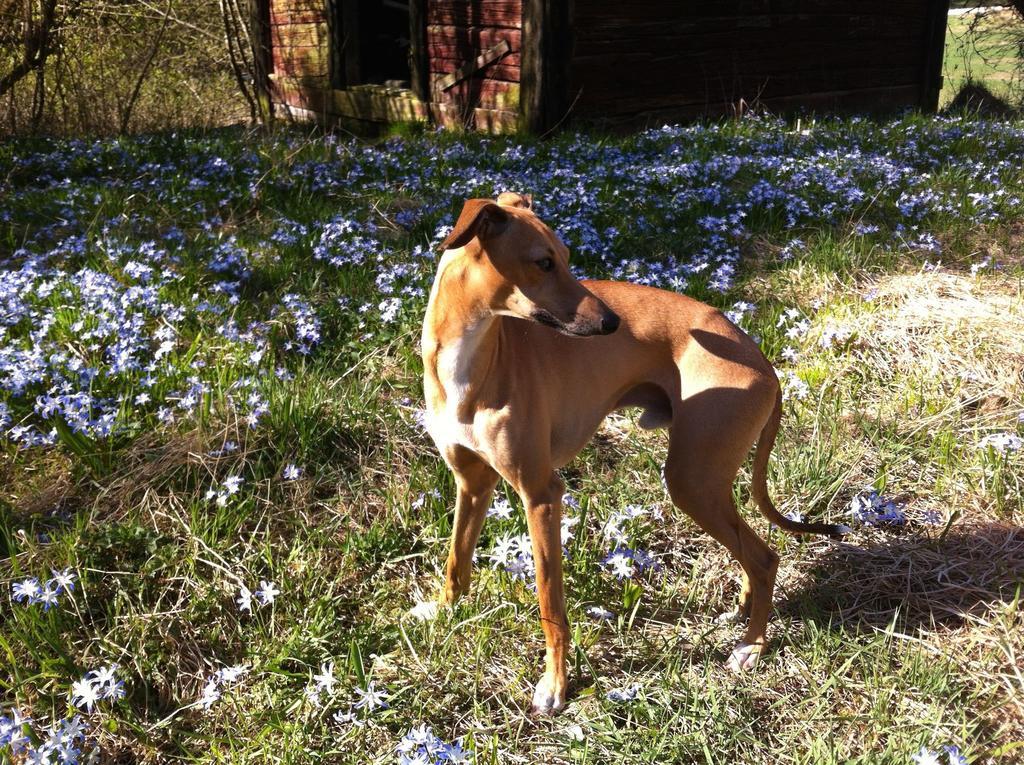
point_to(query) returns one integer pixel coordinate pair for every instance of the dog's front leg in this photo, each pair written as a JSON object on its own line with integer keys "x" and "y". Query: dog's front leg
{"x": 544, "y": 517}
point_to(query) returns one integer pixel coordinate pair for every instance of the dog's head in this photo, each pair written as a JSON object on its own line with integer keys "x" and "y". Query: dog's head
{"x": 524, "y": 267}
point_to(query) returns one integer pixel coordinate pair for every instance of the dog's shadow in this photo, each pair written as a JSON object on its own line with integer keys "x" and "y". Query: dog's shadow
{"x": 910, "y": 581}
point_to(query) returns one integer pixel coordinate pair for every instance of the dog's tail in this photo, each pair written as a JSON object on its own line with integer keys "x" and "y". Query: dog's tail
{"x": 759, "y": 484}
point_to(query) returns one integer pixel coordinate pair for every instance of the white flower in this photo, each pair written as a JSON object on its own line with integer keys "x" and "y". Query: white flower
{"x": 325, "y": 681}
{"x": 267, "y": 592}
{"x": 926, "y": 757}
{"x": 106, "y": 682}
{"x": 602, "y": 614}
{"x": 165, "y": 347}
{"x": 84, "y": 693}
{"x": 619, "y": 564}
{"x": 211, "y": 693}
{"x": 371, "y": 698}
{"x": 48, "y": 597}
{"x": 344, "y": 718}
{"x": 504, "y": 550}
{"x": 232, "y": 674}
{"x": 63, "y": 581}
{"x": 567, "y": 526}
{"x": 501, "y": 508}
{"x": 244, "y": 599}
{"x": 27, "y": 589}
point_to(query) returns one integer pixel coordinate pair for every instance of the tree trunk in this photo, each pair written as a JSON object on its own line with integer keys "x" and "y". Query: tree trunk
{"x": 37, "y": 40}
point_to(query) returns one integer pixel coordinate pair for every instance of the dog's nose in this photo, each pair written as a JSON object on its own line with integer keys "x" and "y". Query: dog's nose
{"x": 609, "y": 323}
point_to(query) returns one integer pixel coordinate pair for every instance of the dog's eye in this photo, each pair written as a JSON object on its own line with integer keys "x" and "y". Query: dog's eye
{"x": 545, "y": 264}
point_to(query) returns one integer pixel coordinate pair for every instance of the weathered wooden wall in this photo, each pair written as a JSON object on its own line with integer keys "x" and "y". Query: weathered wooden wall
{"x": 619, "y": 61}
{"x": 298, "y": 40}
{"x": 655, "y": 60}
{"x": 456, "y": 32}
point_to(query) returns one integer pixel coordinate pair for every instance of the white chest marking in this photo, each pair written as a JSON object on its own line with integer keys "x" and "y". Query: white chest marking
{"x": 454, "y": 368}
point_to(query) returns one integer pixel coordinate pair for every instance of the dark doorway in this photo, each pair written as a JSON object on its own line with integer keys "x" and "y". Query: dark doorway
{"x": 384, "y": 42}
{"x": 370, "y": 42}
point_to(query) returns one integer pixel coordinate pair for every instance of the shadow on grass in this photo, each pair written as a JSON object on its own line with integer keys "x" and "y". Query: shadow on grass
{"x": 915, "y": 581}
{"x": 975, "y": 99}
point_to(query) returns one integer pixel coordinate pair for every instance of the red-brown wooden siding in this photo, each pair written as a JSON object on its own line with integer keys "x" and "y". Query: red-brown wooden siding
{"x": 640, "y": 60}
{"x": 299, "y": 41}
{"x": 458, "y": 32}
{"x": 655, "y": 60}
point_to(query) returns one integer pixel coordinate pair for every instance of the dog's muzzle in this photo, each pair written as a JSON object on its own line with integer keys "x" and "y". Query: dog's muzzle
{"x": 580, "y": 326}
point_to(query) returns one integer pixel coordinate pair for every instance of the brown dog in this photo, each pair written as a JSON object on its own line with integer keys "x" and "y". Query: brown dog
{"x": 522, "y": 362}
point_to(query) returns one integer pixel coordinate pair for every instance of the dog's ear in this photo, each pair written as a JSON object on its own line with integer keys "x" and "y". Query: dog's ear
{"x": 479, "y": 217}
{"x": 512, "y": 199}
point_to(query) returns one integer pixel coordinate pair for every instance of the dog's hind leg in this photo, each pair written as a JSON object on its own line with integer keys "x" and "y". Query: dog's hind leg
{"x": 475, "y": 481}
{"x": 702, "y": 487}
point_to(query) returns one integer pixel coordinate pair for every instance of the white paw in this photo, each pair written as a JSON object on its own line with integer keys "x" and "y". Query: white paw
{"x": 425, "y": 611}
{"x": 744, "y": 657}
{"x": 547, "y": 699}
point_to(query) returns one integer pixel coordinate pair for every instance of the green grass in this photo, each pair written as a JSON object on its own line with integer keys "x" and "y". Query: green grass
{"x": 983, "y": 50}
{"x": 879, "y": 645}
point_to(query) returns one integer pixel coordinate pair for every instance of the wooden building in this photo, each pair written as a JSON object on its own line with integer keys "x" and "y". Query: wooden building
{"x": 538, "y": 64}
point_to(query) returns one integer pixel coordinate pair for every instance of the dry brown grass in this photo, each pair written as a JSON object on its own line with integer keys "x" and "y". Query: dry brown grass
{"x": 961, "y": 330}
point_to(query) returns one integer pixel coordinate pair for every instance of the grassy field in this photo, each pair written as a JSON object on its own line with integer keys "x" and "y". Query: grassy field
{"x": 983, "y": 49}
{"x": 220, "y": 510}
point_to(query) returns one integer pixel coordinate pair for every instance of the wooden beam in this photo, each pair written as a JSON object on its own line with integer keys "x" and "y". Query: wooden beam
{"x": 419, "y": 63}
{"x": 349, "y": 42}
{"x": 547, "y": 51}
{"x": 935, "y": 42}
{"x": 335, "y": 47}
{"x": 471, "y": 67}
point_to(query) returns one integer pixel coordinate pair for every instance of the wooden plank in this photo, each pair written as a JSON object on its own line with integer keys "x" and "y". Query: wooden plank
{"x": 489, "y": 56}
{"x": 476, "y": 38}
{"x": 472, "y": 13}
{"x": 660, "y": 10}
{"x": 296, "y": 17}
{"x": 301, "y": 62}
{"x": 453, "y": 53}
{"x": 484, "y": 120}
{"x": 299, "y": 35}
{"x": 365, "y": 102}
{"x": 875, "y": 100}
{"x": 498, "y": 71}
{"x": 495, "y": 120}
{"x": 751, "y": 88}
{"x": 296, "y": 11}
{"x": 478, "y": 91}
{"x": 547, "y": 50}
{"x": 650, "y": 38}
{"x": 627, "y": 39}
{"x": 643, "y": 72}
